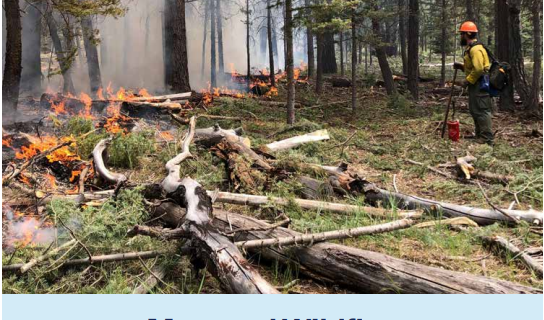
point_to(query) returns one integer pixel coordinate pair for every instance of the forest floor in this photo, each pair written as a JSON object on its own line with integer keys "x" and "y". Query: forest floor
{"x": 377, "y": 140}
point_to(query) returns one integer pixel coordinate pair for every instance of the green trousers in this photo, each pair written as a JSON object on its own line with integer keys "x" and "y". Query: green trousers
{"x": 479, "y": 105}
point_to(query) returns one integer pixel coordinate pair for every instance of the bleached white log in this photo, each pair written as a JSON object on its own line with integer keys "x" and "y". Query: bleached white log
{"x": 294, "y": 142}
{"x": 101, "y": 166}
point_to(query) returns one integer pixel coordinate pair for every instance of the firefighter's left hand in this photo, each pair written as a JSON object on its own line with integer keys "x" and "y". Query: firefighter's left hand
{"x": 465, "y": 84}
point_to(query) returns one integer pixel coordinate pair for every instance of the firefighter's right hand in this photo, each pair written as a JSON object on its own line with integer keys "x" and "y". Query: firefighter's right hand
{"x": 458, "y": 66}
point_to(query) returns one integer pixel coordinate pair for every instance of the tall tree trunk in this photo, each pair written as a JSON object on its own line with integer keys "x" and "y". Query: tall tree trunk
{"x": 275, "y": 43}
{"x": 329, "y": 54}
{"x": 270, "y": 45}
{"x": 310, "y": 45}
{"x": 64, "y": 61}
{"x": 382, "y": 57}
{"x": 413, "y": 48}
{"x": 402, "y": 34}
{"x": 31, "y": 77}
{"x": 247, "y": 47}
{"x": 213, "y": 63}
{"x": 471, "y": 16}
{"x": 360, "y": 48}
{"x": 319, "y": 71}
{"x": 289, "y": 62}
{"x": 516, "y": 53}
{"x": 180, "y": 60}
{"x": 13, "y": 58}
{"x": 443, "y": 40}
{"x": 168, "y": 34}
{"x": 366, "y": 59}
{"x": 534, "y": 103}
{"x": 353, "y": 63}
{"x": 502, "y": 38}
{"x": 341, "y": 44}
{"x": 91, "y": 52}
{"x": 204, "y": 36}
{"x": 219, "y": 17}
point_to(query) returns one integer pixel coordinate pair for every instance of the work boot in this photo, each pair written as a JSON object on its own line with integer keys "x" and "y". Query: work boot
{"x": 470, "y": 136}
{"x": 481, "y": 140}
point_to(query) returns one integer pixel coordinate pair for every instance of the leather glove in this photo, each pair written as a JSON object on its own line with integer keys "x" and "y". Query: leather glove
{"x": 465, "y": 84}
{"x": 458, "y": 66}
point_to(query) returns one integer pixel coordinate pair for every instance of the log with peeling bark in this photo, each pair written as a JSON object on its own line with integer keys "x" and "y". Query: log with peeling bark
{"x": 100, "y": 166}
{"x": 252, "y": 200}
{"x": 361, "y": 270}
{"x": 296, "y": 141}
{"x": 157, "y": 274}
{"x": 27, "y": 266}
{"x": 310, "y": 239}
{"x": 516, "y": 253}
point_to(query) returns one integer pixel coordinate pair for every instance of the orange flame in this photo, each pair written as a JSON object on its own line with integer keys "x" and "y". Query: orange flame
{"x": 51, "y": 180}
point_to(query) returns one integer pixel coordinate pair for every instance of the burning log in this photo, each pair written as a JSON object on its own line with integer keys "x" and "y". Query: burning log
{"x": 100, "y": 166}
{"x": 147, "y": 109}
{"x": 515, "y": 252}
{"x": 252, "y": 200}
{"x": 294, "y": 142}
{"x": 72, "y": 105}
{"x": 171, "y": 97}
{"x": 361, "y": 270}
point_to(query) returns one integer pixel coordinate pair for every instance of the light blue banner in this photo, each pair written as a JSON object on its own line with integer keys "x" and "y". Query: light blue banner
{"x": 254, "y": 307}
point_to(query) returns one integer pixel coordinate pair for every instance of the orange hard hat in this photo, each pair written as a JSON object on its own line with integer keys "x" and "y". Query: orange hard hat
{"x": 468, "y": 26}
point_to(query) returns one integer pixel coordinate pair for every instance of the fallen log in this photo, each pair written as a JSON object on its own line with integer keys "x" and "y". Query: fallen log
{"x": 98, "y": 259}
{"x": 294, "y": 142}
{"x": 479, "y": 215}
{"x": 310, "y": 239}
{"x": 172, "y": 97}
{"x": 516, "y": 253}
{"x": 277, "y": 104}
{"x": 340, "y": 82}
{"x": 361, "y": 270}
{"x": 252, "y": 200}
{"x": 213, "y": 135}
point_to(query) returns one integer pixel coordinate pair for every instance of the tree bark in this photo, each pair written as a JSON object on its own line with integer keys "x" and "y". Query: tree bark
{"x": 180, "y": 60}
{"x": 402, "y": 35}
{"x": 31, "y": 76}
{"x": 329, "y": 54}
{"x": 168, "y": 37}
{"x": 219, "y": 16}
{"x": 362, "y": 271}
{"x": 534, "y": 103}
{"x": 213, "y": 58}
{"x": 91, "y": 52}
{"x": 382, "y": 57}
{"x": 353, "y": 64}
{"x": 502, "y": 38}
{"x": 12, "y": 68}
{"x": 516, "y": 52}
{"x": 248, "y": 54}
{"x": 443, "y": 40}
{"x": 204, "y": 36}
{"x": 310, "y": 43}
{"x": 319, "y": 73}
{"x": 470, "y": 16}
{"x": 413, "y": 48}
{"x": 289, "y": 61}
{"x": 64, "y": 61}
{"x": 341, "y": 45}
{"x": 270, "y": 45}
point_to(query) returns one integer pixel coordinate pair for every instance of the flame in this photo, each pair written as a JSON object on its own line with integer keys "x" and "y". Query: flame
{"x": 143, "y": 93}
{"x": 166, "y": 135}
{"x": 87, "y": 101}
{"x": 24, "y": 179}
{"x": 100, "y": 94}
{"x": 75, "y": 174}
{"x": 45, "y": 143}
{"x": 121, "y": 94}
{"x": 24, "y": 230}
{"x": 297, "y": 73}
{"x": 58, "y": 108}
{"x": 272, "y": 92}
{"x": 6, "y": 141}
{"x": 51, "y": 180}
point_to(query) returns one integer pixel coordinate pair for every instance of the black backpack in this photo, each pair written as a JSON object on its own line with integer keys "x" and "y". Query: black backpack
{"x": 498, "y": 71}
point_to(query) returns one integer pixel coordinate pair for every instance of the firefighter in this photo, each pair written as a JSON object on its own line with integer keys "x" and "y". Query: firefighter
{"x": 476, "y": 63}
